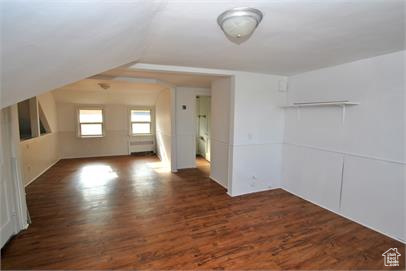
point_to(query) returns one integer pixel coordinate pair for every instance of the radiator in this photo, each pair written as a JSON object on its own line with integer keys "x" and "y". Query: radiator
{"x": 145, "y": 145}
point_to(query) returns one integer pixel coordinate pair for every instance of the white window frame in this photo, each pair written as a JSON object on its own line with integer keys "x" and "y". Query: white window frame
{"x": 79, "y": 126}
{"x": 151, "y": 111}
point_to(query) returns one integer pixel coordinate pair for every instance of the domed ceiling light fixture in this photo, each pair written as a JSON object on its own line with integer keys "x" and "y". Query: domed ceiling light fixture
{"x": 239, "y": 23}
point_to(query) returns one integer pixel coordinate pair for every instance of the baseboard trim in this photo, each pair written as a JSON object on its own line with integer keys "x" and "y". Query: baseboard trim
{"x": 217, "y": 181}
{"x": 347, "y": 217}
{"x": 253, "y": 192}
{"x": 42, "y": 172}
{"x": 187, "y": 167}
{"x": 95, "y": 156}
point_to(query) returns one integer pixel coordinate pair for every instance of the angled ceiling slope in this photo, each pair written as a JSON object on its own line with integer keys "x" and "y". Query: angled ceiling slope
{"x": 48, "y": 44}
{"x": 88, "y": 91}
{"x": 293, "y": 37}
{"x": 175, "y": 78}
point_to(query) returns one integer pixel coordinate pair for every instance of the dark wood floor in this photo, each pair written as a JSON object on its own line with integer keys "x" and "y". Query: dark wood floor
{"x": 129, "y": 213}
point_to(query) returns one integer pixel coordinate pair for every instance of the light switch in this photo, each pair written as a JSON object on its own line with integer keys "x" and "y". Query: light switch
{"x": 283, "y": 85}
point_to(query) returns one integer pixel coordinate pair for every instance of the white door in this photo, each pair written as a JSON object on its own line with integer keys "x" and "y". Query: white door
{"x": 7, "y": 209}
{"x": 204, "y": 127}
{"x": 7, "y": 222}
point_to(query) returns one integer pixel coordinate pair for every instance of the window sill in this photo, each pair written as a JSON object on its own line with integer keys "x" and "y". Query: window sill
{"x": 35, "y": 137}
{"x": 95, "y": 136}
{"x": 139, "y": 135}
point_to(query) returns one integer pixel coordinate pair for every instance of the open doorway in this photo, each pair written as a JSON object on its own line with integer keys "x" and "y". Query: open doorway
{"x": 203, "y": 130}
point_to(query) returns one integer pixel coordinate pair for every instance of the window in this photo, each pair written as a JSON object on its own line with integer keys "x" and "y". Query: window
{"x": 25, "y": 119}
{"x": 43, "y": 121}
{"x": 140, "y": 122}
{"x": 90, "y": 122}
{"x": 32, "y": 120}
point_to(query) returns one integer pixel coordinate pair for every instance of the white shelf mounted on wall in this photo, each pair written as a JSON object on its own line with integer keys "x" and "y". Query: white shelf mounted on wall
{"x": 342, "y": 104}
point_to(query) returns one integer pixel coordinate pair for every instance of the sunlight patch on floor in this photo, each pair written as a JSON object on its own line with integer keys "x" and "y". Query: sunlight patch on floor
{"x": 96, "y": 175}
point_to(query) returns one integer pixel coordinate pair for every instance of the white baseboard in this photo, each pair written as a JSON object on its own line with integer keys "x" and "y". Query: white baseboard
{"x": 254, "y": 191}
{"x": 217, "y": 181}
{"x": 94, "y": 155}
{"x": 42, "y": 172}
{"x": 159, "y": 156}
{"x": 186, "y": 167}
{"x": 349, "y": 218}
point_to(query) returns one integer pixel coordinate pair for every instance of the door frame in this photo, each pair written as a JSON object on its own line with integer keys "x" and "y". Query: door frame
{"x": 17, "y": 199}
{"x": 195, "y": 118}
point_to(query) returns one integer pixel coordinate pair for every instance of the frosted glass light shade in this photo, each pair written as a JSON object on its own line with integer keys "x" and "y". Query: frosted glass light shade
{"x": 239, "y": 27}
{"x": 239, "y": 22}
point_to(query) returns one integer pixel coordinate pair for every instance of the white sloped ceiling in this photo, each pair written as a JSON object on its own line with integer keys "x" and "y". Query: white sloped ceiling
{"x": 48, "y": 44}
{"x": 293, "y": 37}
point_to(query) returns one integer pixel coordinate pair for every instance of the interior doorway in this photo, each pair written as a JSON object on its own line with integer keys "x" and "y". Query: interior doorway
{"x": 203, "y": 117}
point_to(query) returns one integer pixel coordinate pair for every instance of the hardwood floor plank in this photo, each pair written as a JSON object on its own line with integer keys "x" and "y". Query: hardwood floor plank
{"x": 129, "y": 213}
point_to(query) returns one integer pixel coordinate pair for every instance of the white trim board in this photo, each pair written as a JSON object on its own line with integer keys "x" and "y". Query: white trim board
{"x": 218, "y": 182}
{"x": 95, "y": 156}
{"x": 187, "y": 167}
{"x": 253, "y": 192}
{"x": 346, "y": 153}
{"x": 257, "y": 144}
{"x": 347, "y": 217}
{"x": 181, "y": 69}
{"x": 42, "y": 172}
{"x": 318, "y": 104}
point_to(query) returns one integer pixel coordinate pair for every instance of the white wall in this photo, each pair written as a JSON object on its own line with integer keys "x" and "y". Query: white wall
{"x": 40, "y": 153}
{"x": 114, "y": 142}
{"x": 221, "y": 101}
{"x": 164, "y": 127}
{"x": 48, "y": 105}
{"x": 186, "y": 125}
{"x": 60, "y": 61}
{"x": 116, "y": 105}
{"x": 120, "y": 92}
{"x": 257, "y": 133}
{"x": 7, "y": 190}
{"x": 355, "y": 168}
{"x": 12, "y": 194}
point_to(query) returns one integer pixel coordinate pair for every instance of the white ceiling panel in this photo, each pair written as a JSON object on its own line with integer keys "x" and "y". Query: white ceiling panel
{"x": 47, "y": 44}
{"x": 293, "y": 37}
